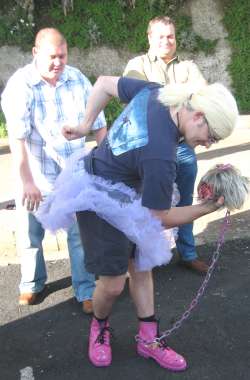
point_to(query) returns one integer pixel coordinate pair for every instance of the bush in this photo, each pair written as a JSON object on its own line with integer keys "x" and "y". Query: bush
{"x": 236, "y": 19}
{"x": 15, "y": 27}
{"x": 112, "y": 111}
{"x": 115, "y": 23}
{"x": 3, "y": 130}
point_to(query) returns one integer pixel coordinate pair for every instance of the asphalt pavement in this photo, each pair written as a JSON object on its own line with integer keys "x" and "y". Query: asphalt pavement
{"x": 49, "y": 340}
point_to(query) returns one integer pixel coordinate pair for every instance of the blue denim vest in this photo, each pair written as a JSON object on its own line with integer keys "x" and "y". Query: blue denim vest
{"x": 130, "y": 131}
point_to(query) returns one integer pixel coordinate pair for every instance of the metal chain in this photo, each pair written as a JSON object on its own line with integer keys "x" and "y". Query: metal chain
{"x": 193, "y": 304}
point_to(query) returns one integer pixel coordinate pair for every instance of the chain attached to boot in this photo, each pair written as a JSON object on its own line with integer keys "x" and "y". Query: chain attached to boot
{"x": 221, "y": 238}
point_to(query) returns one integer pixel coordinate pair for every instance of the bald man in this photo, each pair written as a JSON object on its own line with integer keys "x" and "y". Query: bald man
{"x": 38, "y": 100}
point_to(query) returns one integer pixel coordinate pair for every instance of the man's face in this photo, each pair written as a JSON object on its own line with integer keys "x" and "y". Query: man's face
{"x": 162, "y": 40}
{"x": 50, "y": 58}
{"x": 197, "y": 131}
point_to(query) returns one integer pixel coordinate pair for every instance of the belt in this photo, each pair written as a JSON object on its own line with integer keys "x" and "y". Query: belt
{"x": 88, "y": 161}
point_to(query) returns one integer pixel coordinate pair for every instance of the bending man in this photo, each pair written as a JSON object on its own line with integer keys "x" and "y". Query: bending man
{"x": 140, "y": 152}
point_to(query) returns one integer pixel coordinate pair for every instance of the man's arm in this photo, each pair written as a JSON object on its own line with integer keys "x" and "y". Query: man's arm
{"x": 134, "y": 69}
{"x": 100, "y": 134}
{"x": 31, "y": 196}
{"x": 15, "y": 102}
{"x": 103, "y": 90}
{"x": 99, "y": 127}
{"x": 177, "y": 216}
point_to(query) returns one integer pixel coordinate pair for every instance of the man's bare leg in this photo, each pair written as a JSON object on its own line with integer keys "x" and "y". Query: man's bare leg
{"x": 108, "y": 288}
{"x": 142, "y": 291}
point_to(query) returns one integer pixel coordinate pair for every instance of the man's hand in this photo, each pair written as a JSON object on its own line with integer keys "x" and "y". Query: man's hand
{"x": 214, "y": 205}
{"x": 31, "y": 197}
{"x": 176, "y": 216}
{"x": 72, "y": 133}
{"x": 220, "y": 202}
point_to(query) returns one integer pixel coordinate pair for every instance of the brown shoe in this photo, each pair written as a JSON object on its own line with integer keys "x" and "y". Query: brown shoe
{"x": 27, "y": 298}
{"x": 87, "y": 306}
{"x": 196, "y": 265}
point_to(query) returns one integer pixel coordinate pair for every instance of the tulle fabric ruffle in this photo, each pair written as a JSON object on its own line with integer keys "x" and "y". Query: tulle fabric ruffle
{"x": 77, "y": 190}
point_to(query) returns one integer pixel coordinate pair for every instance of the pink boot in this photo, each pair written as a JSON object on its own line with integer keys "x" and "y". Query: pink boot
{"x": 159, "y": 351}
{"x": 99, "y": 344}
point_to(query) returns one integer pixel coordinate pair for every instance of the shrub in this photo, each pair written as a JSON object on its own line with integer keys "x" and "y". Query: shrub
{"x": 114, "y": 23}
{"x": 236, "y": 19}
{"x": 15, "y": 26}
{"x": 3, "y": 130}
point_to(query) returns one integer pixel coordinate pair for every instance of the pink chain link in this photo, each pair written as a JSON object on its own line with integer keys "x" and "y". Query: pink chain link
{"x": 224, "y": 227}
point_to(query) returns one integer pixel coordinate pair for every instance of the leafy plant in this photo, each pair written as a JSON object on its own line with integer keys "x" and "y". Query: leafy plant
{"x": 188, "y": 40}
{"x": 112, "y": 111}
{"x": 15, "y": 26}
{"x": 3, "y": 130}
{"x": 119, "y": 24}
{"x": 116, "y": 24}
{"x": 236, "y": 19}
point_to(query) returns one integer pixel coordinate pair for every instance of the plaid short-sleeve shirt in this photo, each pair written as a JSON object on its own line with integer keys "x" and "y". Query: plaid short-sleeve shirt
{"x": 36, "y": 111}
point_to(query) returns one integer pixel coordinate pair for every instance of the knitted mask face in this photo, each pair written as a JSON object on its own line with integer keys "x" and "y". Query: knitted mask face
{"x": 227, "y": 181}
{"x": 205, "y": 191}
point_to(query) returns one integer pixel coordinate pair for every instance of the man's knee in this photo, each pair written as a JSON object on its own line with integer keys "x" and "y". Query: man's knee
{"x": 140, "y": 277}
{"x": 112, "y": 286}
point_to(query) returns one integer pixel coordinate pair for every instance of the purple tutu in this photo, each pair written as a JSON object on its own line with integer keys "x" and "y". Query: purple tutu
{"x": 77, "y": 190}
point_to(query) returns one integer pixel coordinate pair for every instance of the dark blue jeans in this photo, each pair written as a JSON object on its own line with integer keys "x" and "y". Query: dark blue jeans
{"x": 186, "y": 175}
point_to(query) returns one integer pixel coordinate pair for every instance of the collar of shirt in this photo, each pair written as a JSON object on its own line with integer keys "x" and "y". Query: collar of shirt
{"x": 36, "y": 78}
{"x": 154, "y": 58}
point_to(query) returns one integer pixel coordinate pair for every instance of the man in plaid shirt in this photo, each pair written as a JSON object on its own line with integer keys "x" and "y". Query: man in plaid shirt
{"x": 38, "y": 101}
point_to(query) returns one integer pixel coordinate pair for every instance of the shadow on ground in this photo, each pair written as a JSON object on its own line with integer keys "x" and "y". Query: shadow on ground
{"x": 49, "y": 340}
{"x": 216, "y": 153}
{"x": 238, "y": 229}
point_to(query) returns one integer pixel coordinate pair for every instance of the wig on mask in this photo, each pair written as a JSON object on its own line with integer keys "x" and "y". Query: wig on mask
{"x": 227, "y": 181}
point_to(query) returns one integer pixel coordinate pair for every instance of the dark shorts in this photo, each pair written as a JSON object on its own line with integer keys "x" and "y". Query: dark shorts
{"x": 107, "y": 250}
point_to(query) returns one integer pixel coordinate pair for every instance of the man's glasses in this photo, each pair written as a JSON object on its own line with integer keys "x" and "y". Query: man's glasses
{"x": 211, "y": 138}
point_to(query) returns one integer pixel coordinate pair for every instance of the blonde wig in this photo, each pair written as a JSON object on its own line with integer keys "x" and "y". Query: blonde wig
{"x": 227, "y": 181}
{"x": 214, "y": 100}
